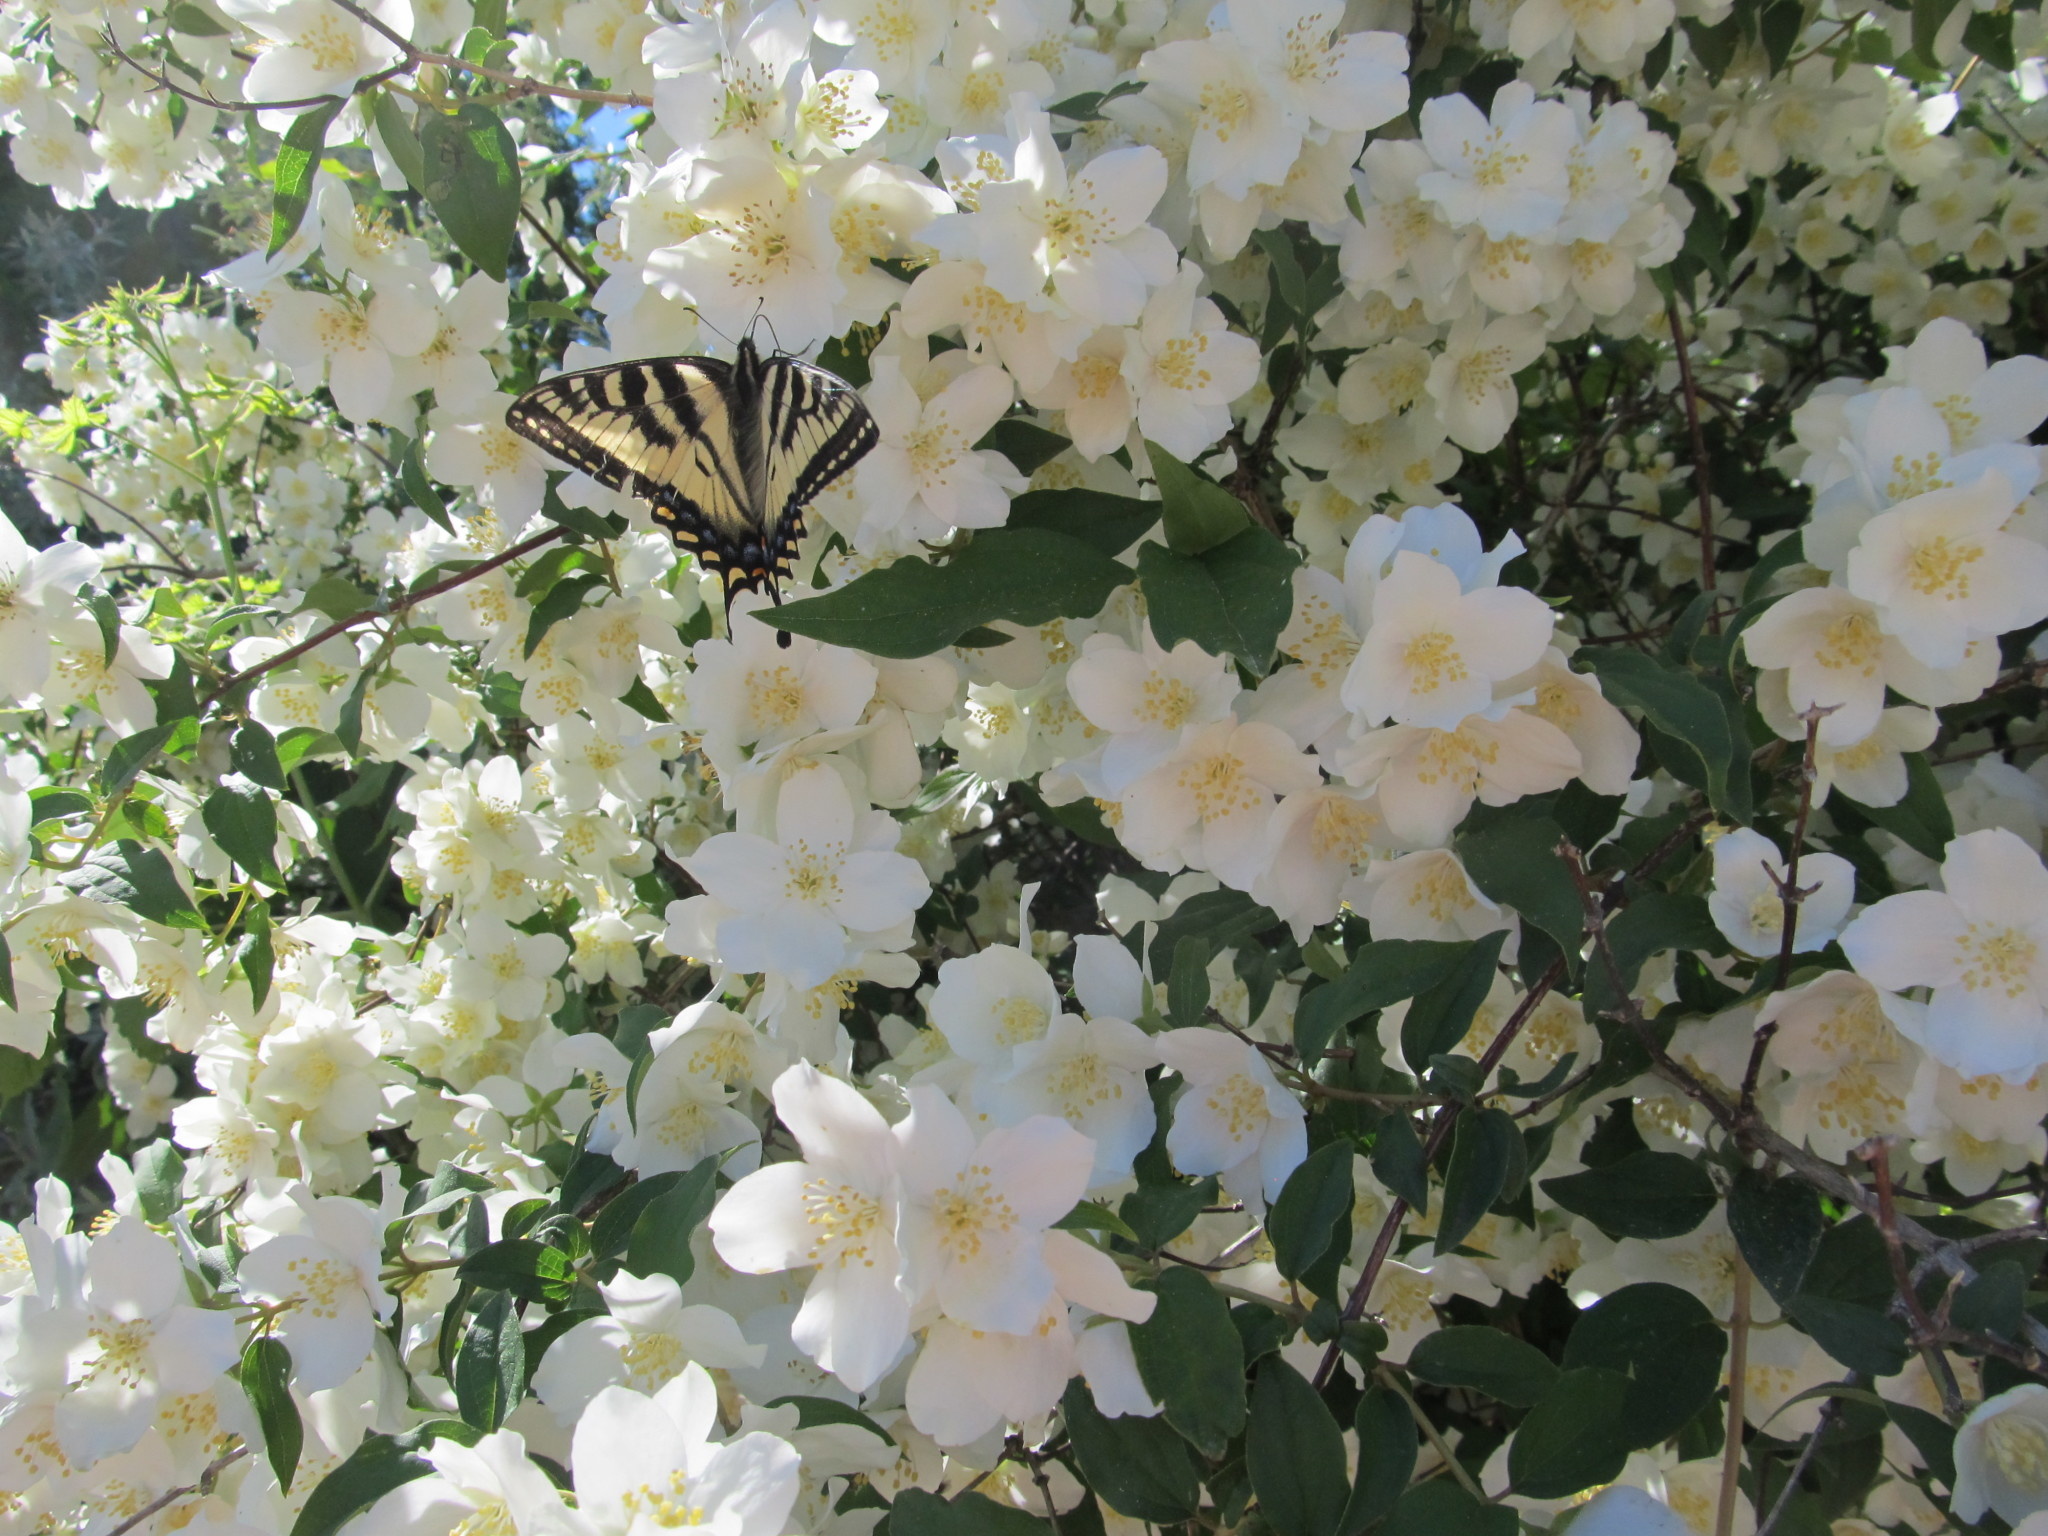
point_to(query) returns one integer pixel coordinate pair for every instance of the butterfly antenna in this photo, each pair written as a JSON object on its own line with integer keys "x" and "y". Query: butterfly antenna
{"x": 704, "y": 321}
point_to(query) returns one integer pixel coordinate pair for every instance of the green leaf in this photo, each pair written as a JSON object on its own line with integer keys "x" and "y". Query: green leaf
{"x": 1654, "y": 922}
{"x": 419, "y": 489}
{"x": 1294, "y": 1453}
{"x": 1111, "y": 524}
{"x": 8, "y": 995}
{"x": 1439, "y": 1018}
{"x": 348, "y": 720}
{"x": 1200, "y": 515}
{"x": 1928, "y": 16}
{"x": 1513, "y": 860}
{"x": 660, "y": 1244}
{"x": 1386, "y": 1459}
{"x": 564, "y": 599}
{"x": 266, "y": 1376}
{"x": 490, "y": 1366}
{"x": 1484, "y": 1146}
{"x": 131, "y": 754}
{"x": 1575, "y": 1438}
{"x": 253, "y": 754}
{"x": 1138, "y": 1467}
{"x": 159, "y": 1180}
{"x": 194, "y": 21}
{"x": 244, "y": 822}
{"x": 1922, "y": 819}
{"x": 1304, "y": 1219}
{"x": 338, "y": 598}
{"x": 1993, "y": 1302}
{"x": 472, "y": 182}
{"x": 1232, "y": 599}
{"x": 917, "y": 1513}
{"x": 1778, "y": 27}
{"x": 1665, "y": 1342}
{"x": 259, "y": 955}
{"x": 1187, "y": 984}
{"x": 1989, "y": 35}
{"x": 1932, "y": 1436}
{"x": 1024, "y": 443}
{"x": 1224, "y": 918}
{"x": 1087, "y": 1216}
{"x": 813, "y": 1412}
{"x": 298, "y": 157}
{"x": 1862, "y": 1338}
{"x": 1381, "y": 974}
{"x": 1484, "y": 1360}
{"x": 1192, "y": 1361}
{"x": 402, "y": 144}
{"x": 529, "y": 1270}
{"x": 126, "y": 874}
{"x": 912, "y": 608}
{"x": 1678, "y": 704}
{"x": 613, "y": 1228}
{"x": 1777, "y": 1223}
{"x": 1645, "y": 1194}
{"x": 1398, "y": 1163}
{"x": 378, "y": 1465}
{"x": 1442, "y": 1508}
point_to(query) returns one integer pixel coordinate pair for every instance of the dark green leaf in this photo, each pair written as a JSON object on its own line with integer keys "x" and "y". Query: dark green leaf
{"x": 348, "y": 721}
{"x": 419, "y": 489}
{"x": 1233, "y": 599}
{"x": 1576, "y": 1438}
{"x": 1485, "y": 1360}
{"x": 490, "y": 1367}
{"x": 1111, "y": 524}
{"x": 912, "y": 608}
{"x": 1994, "y": 1301}
{"x": 266, "y": 1377}
{"x": 131, "y": 754}
{"x": 1862, "y": 1338}
{"x": 1440, "y": 1017}
{"x": 253, "y": 754}
{"x": 1928, "y": 16}
{"x": 378, "y": 1465}
{"x": 1777, "y": 1223}
{"x": 1654, "y": 922}
{"x": 614, "y": 1225}
{"x": 244, "y": 822}
{"x": 1187, "y": 984}
{"x": 1224, "y": 918}
{"x": 1922, "y": 820}
{"x": 1484, "y": 1148}
{"x": 8, "y": 995}
{"x": 1932, "y": 1436}
{"x": 1200, "y": 515}
{"x": 259, "y": 955}
{"x": 1192, "y": 1361}
{"x": 298, "y": 157}
{"x": 563, "y": 600}
{"x": 1386, "y": 1459}
{"x": 1295, "y": 1454}
{"x": 403, "y": 145}
{"x": 1090, "y": 1217}
{"x": 138, "y": 878}
{"x": 1398, "y": 1163}
{"x": 917, "y": 1513}
{"x": 159, "y": 1180}
{"x": 1513, "y": 860}
{"x": 1442, "y": 1508}
{"x": 660, "y": 1244}
{"x": 1380, "y": 975}
{"x": 472, "y": 182}
{"x": 1138, "y": 1467}
{"x": 193, "y": 20}
{"x": 1317, "y": 1196}
{"x": 1988, "y": 34}
{"x": 813, "y": 1412}
{"x": 1646, "y": 1194}
{"x": 1778, "y": 26}
{"x": 1025, "y": 444}
{"x": 1679, "y": 704}
{"x": 529, "y": 1270}
{"x": 1666, "y": 1342}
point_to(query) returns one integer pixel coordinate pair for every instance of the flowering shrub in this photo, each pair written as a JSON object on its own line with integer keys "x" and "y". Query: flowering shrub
{"x": 1382, "y": 871}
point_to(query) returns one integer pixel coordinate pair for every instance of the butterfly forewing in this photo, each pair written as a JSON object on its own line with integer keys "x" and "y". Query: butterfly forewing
{"x": 728, "y": 455}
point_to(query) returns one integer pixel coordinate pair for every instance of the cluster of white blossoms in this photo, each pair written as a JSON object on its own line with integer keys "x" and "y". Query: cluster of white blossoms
{"x": 572, "y": 1059}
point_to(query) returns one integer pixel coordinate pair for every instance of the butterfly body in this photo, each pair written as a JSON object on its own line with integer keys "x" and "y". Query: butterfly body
{"x": 727, "y": 455}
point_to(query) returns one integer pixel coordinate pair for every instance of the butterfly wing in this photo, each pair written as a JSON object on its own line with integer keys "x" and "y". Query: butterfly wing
{"x": 668, "y": 431}
{"x": 814, "y": 428}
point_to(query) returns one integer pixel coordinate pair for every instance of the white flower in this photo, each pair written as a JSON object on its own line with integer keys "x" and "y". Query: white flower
{"x": 804, "y": 905}
{"x": 1209, "y": 804}
{"x": 1509, "y": 175}
{"x": 319, "y": 49}
{"x": 472, "y": 446}
{"x": 837, "y": 1210}
{"x": 647, "y": 1340}
{"x": 320, "y": 1272}
{"x": 2002, "y": 1457}
{"x": 648, "y": 1463}
{"x": 1980, "y": 944}
{"x": 1234, "y": 1119}
{"x": 1748, "y": 902}
{"x": 1473, "y": 379}
{"x": 1185, "y": 365}
{"x": 38, "y": 591}
{"x": 925, "y": 477}
{"x": 1434, "y": 652}
{"x": 489, "y": 1486}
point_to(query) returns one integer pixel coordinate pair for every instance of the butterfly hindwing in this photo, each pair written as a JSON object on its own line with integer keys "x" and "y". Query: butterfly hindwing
{"x": 728, "y": 455}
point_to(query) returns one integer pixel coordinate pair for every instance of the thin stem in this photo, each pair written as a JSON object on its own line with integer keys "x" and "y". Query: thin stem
{"x": 165, "y": 1500}
{"x": 520, "y": 85}
{"x": 1690, "y": 391}
{"x": 1738, "y": 1376}
{"x": 206, "y": 99}
{"x": 1391, "y": 1380}
{"x": 1807, "y": 1452}
{"x": 1926, "y": 1330}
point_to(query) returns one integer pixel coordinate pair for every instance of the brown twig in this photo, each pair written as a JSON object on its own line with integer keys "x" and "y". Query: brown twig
{"x": 1807, "y": 1452}
{"x": 569, "y": 259}
{"x": 208, "y": 99}
{"x": 1791, "y": 894}
{"x": 1926, "y": 1330}
{"x": 518, "y": 85}
{"x": 1690, "y": 391}
{"x": 164, "y": 1501}
{"x": 409, "y": 601}
{"x": 1738, "y": 1386}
